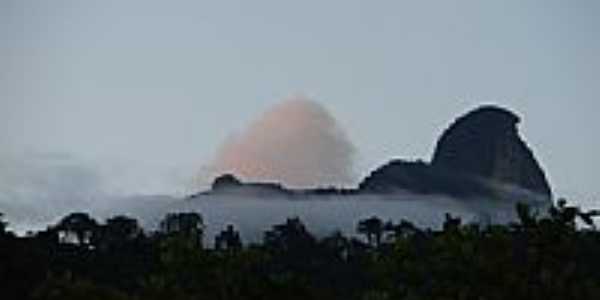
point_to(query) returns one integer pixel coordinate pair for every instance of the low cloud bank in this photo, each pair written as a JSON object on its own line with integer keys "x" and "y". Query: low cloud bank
{"x": 37, "y": 189}
{"x": 326, "y": 214}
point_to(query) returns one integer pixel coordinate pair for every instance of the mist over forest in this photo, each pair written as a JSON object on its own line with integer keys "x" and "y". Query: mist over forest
{"x": 295, "y": 147}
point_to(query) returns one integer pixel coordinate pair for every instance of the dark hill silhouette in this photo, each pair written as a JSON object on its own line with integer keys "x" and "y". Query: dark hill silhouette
{"x": 229, "y": 184}
{"x": 479, "y": 151}
{"x": 486, "y": 143}
{"x": 419, "y": 177}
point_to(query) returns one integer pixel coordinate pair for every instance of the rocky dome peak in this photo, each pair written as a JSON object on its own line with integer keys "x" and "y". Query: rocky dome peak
{"x": 480, "y": 154}
{"x": 486, "y": 143}
{"x": 225, "y": 181}
{"x": 491, "y": 117}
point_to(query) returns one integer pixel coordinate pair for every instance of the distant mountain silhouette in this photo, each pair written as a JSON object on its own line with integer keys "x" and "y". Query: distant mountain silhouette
{"x": 228, "y": 184}
{"x": 421, "y": 178}
{"x": 486, "y": 143}
{"x": 480, "y": 154}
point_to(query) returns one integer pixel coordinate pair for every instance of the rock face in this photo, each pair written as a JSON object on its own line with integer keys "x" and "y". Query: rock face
{"x": 420, "y": 178}
{"x": 486, "y": 143}
{"x": 480, "y": 150}
{"x": 229, "y": 184}
{"x": 225, "y": 181}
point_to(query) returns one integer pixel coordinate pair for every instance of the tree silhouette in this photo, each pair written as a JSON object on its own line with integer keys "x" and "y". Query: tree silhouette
{"x": 292, "y": 235}
{"x": 401, "y": 230}
{"x": 373, "y": 228}
{"x": 337, "y": 243}
{"x": 3, "y": 224}
{"x": 526, "y": 216}
{"x": 451, "y": 223}
{"x": 567, "y": 214}
{"x": 189, "y": 225}
{"x": 78, "y": 225}
{"x": 119, "y": 231}
{"x": 228, "y": 239}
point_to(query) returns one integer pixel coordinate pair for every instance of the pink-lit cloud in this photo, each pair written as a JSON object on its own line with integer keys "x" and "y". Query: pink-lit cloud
{"x": 296, "y": 142}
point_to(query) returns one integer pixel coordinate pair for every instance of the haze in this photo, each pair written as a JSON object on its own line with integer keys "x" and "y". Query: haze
{"x": 139, "y": 95}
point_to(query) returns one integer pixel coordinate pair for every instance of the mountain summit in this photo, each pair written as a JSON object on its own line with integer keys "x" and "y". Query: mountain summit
{"x": 486, "y": 143}
{"x": 478, "y": 153}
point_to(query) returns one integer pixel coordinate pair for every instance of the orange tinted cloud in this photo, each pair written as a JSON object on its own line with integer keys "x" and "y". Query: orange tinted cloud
{"x": 297, "y": 143}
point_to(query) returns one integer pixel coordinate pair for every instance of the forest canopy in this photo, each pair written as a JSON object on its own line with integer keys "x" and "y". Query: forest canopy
{"x": 552, "y": 256}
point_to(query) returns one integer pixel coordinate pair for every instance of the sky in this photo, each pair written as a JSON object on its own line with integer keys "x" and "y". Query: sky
{"x": 149, "y": 90}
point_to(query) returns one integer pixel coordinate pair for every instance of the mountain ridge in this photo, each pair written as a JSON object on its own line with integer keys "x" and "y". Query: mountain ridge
{"x": 481, "y": 154}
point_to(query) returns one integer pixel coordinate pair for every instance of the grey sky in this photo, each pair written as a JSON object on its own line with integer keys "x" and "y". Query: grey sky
{"x": 162, "y": 83}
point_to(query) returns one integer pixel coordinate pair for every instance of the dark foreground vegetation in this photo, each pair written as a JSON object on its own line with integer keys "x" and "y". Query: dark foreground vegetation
{"x": 546, "y": 257}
